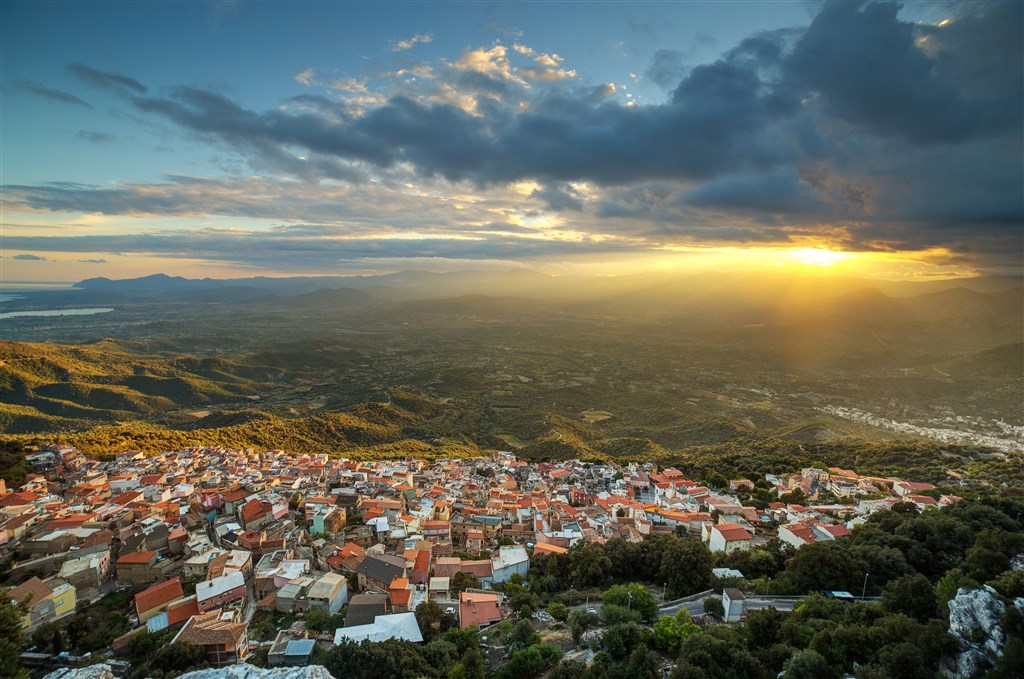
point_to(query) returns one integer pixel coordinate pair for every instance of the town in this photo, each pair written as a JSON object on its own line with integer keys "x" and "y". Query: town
{"x": 220, "y": 547}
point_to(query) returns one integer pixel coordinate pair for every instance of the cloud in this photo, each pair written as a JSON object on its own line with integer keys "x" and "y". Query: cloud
{"x": 895, "y": 88}
{"x": 96, "y": 137}
{"x": 281, "y": 250}
{"x": 105, "y": 80}
{"x": 93, "y": 261}
{"x": 50, "y": 93}
{"x": 667, "y": 68}
{"x": 31, "y": 258}
{"x": 877, "y": 132}
{"x": 559, "y": 198}
{"x": 411, "y": 42}
{"x": 305, "y": 77}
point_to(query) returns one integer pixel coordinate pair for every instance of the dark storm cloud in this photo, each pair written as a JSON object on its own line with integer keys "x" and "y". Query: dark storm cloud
{"x": 866, "y": 67}
{"x": 781, "y": 191}
{"x": 559, "y": 198}
{"x": 106, "y": 80}
{"x": 50, "y": 93}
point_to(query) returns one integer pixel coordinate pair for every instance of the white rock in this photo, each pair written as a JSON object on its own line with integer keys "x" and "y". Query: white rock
{"x": 101, "y": 671}
{"x": 974, "y": 620}
{"x": 253, "y": 672}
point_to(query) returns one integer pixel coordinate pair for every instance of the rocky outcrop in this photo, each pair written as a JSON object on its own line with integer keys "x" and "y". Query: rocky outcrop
{"x": 101, "y": 671}
{"x": 253, "y": 672}
{"x": 975, "y": 621}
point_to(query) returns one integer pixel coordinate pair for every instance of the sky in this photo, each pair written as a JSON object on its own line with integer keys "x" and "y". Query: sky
{"x": 229, "y": 139}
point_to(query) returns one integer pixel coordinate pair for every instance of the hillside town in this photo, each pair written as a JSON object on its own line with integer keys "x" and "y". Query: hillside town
{"x": 204, "y": 539}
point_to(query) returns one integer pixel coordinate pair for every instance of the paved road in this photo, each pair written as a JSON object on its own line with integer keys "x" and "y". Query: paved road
{"x": 783, "y": 603}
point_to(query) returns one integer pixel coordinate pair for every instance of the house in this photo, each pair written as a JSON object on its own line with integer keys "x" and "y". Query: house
{"x": 904, "y": 488}
{"x": 438, "y": 588}
{"x": 290, "y": 649}
{"x": 509, "y": 560}
{"x": 329, "y": 593}
{"x": 728, "y": 537}
{"x": 363, "y": 608}
{"x": 376, "y": 572}
{"x": 400, "y": 594}
{"x": 46, "y": 601}
{"x": 328, "y": 520}
{"x": 137, "y": 568}
{"x": 221, "y": 591}
{"x": 733, "y": 603}
{"x": 797, "y": 535}
{"x": 225, "y": 640}
{"x": 156, "y": 599}
{"x": 292, "y": 597}
{"x": 90, "y": 570}
{"x": 395, "y": 626}
{"x": 437, "y": 530}
{"x": 479, "y": 609}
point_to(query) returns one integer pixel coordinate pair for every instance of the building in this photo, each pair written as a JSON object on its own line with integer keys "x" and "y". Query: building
{"x": 87, "y": 571}
{"x": 509, "y": 560}
{"x": 137, "y": 568}
{"x": 479, "y": 609}
{"x": 329, "y": 593}
{"x": 363, "y": 608}
{"x": 732, "y": 604}
{"x": 376, "y": 572}
{"x": 156, "y": 599}
{"x": 220, "y": 591}
{"x": 46, "y": 601}
{"x": 396, "y": 626}
{"x": 225, "y": 640}
{"x": 728, "y": 537}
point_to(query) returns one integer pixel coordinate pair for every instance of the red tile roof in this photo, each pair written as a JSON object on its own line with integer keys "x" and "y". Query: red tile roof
{"x": 158, "y": 595}
{"x": 476, "y": 608}
{"x": 31, "y": 591}
{"x": 733, "y": 532}
{"x": 136, "y": 557}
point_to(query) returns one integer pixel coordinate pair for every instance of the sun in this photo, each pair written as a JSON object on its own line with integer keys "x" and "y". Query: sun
{"x": 818, "y": 256}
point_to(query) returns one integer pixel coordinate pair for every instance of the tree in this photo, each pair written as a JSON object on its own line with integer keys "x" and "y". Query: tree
{"x": 559, "y": 612}
{"x": 713, "y": 606}
{"x": 632, "y": 597}
{"x": 381, "y": 660}
{"x": 569, "y": 669}
{"x": 912, "y": 595}
{"x": 671, "y": 630}
{"x": 461, "y": 582}
{"x": 522, "y": 635}
{"x": 589, "y": 566}
{"x": 686, "y": 566}
{"x": 824, "y": 566}
{"x": 433, "y": 620}
{"x": 808, "y": 664}
{"x": 471, "y": 666}
{"x": 179, "y": 657}
{"x": 12, "y": 638}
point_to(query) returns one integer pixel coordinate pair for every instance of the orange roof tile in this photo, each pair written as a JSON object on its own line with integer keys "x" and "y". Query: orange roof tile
{"x": 137, "y": 557}
{"x": 158, "y": 595}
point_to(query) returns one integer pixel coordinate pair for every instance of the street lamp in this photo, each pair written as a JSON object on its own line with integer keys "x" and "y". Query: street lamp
{"x": 864, "y": 590}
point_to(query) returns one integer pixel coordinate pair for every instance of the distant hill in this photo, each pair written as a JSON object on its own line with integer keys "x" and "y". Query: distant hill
{"x": 330, "y": 298}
